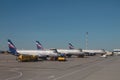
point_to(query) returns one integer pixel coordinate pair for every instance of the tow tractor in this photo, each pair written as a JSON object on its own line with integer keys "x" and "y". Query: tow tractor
{"x": 61, "y": 57}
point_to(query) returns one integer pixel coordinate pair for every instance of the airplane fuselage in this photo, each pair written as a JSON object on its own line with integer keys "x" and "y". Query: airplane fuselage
{"x": 38, "y": 52}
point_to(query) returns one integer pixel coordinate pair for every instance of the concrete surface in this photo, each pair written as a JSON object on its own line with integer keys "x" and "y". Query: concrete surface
{"x": 89, "y": 68}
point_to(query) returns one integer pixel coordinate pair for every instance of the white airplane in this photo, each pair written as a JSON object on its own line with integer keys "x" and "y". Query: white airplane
{"x": 40, "y": 53}
{"x": 71, "y": 51}
{"x": 68, "y": 52}
{"x": 116, "y": 52}
{"x": 91, "y": 52}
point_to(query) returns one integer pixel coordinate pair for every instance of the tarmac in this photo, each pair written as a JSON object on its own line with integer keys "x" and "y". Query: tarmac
{"x": 88, "y": 68}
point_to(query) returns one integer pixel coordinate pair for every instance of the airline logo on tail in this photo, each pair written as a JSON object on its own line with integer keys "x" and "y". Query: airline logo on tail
{"x": 12, "y": 47}
{"x": 71, "y": 46}
{"x": 39, "y": 45}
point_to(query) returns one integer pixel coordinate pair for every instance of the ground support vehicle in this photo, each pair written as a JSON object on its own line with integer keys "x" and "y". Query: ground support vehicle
{"x": 23, "y": 58}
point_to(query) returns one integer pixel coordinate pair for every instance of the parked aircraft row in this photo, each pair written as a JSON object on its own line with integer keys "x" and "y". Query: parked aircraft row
{"x": 72, "y": 51}
{"x": 41, "y": 52}
{"x": 44, "y": 53}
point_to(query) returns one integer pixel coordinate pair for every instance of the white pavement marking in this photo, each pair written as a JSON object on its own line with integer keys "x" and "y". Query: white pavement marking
{"x": 15, "y": 77}
{"x": 52, "y": 76}
{"x": 73, "y": 72}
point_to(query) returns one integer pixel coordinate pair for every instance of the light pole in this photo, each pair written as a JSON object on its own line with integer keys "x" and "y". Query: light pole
{"x": 86, "y": 47}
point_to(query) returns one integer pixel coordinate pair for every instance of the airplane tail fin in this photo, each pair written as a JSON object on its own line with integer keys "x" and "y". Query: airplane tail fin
{"x": 12, "y": 47}
{"x": 39, "y": 45}
{"x": 71, "y": 46}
